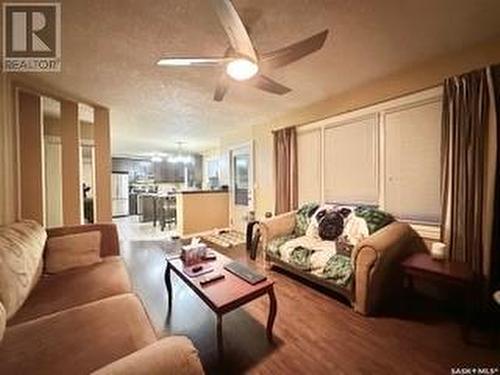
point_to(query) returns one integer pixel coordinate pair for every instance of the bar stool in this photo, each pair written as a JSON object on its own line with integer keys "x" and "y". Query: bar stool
{"x": 169, "y": 212}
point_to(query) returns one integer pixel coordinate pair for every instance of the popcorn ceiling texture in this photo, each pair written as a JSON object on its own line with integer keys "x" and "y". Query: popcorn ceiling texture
{"x": 110, "y": 49}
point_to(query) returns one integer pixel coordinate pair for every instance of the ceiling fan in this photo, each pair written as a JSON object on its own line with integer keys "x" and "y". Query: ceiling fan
{"x": 241, "y": 60}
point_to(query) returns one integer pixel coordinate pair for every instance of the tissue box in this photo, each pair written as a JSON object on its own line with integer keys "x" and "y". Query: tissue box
{"x": 194, "y": 253}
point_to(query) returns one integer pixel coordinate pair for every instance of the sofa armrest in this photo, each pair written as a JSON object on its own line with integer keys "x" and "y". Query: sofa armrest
{"x": 109, "y": 235}
{"x": 377, "y": 261}
{"x": 276, "y": 226}
{"x": 170, "y": 355}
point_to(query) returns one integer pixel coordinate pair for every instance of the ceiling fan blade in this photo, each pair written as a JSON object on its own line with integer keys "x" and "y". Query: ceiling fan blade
{"x": 235, "y": 29}
{"x": 193, "y": 61}
{"x": 250, "y": 16}
{"x": 294, "y": 52}
{"x": 221, "y": 88}
{"x": 267, "y": 84}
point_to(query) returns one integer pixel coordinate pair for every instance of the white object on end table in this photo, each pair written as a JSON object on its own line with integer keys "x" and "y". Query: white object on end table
{"x": 439, "y": 250}
{"x": 496, "y": 297}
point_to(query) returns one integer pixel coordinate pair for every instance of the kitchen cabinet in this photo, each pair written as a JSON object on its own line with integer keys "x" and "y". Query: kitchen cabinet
{"x": 163, "y": 171}
{"x": 137, "y": 169}
{"x": 168, "y": 172}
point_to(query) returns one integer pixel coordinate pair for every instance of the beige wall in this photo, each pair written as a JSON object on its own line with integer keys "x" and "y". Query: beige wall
{"x": 8, "y": 170}
{"x": 31, "y": 170}
{"x": 412, "y": 79}
{"x": 415, "y": 78}
{"x": 102, "y": 200}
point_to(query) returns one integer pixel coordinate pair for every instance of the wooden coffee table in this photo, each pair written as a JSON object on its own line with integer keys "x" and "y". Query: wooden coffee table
{"x": 224, "y": 295}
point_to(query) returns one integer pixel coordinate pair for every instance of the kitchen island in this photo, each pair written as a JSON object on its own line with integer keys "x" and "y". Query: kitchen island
{"x": 201, "y": 211}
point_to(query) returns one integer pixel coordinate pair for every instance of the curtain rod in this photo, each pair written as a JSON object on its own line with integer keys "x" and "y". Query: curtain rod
{"x": 285, "y": 127}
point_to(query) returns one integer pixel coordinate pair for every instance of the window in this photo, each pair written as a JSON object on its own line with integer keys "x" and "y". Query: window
{"x": 350, "y": 168}
{"x": 241, "y": 165}
{"x": 309, "y": 165}
{"x": 213, "y": 168}
{"x": 387, "y": 154}
{"x": 412, "y": 161}
{"x": 211, "y": 172}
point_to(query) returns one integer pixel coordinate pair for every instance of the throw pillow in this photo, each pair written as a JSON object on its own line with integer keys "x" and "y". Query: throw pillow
{"x": 72, "y": 250}
{"x": 21, "y": 254}
{"x": 331, "y": 225}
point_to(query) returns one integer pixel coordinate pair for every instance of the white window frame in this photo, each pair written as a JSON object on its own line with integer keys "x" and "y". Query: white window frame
{"x": 379, "y": 110}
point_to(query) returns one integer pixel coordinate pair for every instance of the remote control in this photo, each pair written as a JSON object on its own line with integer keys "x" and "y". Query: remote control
{"x": 197, "y": 268}
{"x": 210, "y": 279}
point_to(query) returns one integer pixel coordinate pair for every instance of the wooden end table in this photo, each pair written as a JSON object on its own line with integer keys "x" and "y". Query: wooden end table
{"x": 456, "y": 274}
{"x": 224, "y": 295}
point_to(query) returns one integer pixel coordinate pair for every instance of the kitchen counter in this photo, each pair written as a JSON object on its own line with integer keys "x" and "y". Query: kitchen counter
{"x": 205, "y": 191}
{"x": 197, "y": 210}
{"x": 201, "y": 211}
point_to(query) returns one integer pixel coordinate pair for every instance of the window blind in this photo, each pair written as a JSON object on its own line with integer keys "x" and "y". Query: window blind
{"x": 350, "y": 168}
{"x": 412, "y": 161}
{"x": 309, "y": 165}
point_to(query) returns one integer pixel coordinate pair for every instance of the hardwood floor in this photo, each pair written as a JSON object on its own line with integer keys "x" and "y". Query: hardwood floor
{"x": 315, "y": 333}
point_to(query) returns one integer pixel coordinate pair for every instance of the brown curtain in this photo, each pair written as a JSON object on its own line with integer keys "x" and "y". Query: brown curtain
{"x": 466, "y": 158}
{"x": 495, "y": 240}
{"x": 285, "y": 159}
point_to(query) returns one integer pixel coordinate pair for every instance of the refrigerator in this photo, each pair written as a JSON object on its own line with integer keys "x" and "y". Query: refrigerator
{"x": 119, "y": 194}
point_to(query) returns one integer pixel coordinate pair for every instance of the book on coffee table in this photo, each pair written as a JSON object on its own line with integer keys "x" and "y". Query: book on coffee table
{"x": 244, "y": 272}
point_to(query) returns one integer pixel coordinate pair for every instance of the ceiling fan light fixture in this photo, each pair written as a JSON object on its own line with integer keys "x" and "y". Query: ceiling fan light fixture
{"x": 242, "y": 69}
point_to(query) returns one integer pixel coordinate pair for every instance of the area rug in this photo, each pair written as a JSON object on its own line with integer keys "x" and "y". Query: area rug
{"x": 226, "y": 239}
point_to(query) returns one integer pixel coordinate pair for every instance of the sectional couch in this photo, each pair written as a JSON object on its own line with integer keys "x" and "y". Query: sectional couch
{"x": 77, "y": 321}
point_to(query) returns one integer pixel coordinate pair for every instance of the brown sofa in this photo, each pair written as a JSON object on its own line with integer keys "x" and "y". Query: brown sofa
{"x": 375, "y": 261}
{"x": 78, "y": 321}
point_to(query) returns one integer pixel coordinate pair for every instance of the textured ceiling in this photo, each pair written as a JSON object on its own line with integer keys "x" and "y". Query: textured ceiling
{"x": 110, "y": 48}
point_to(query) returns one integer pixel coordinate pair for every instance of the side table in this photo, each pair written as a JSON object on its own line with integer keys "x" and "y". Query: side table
{"x": 444, "y": 272}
